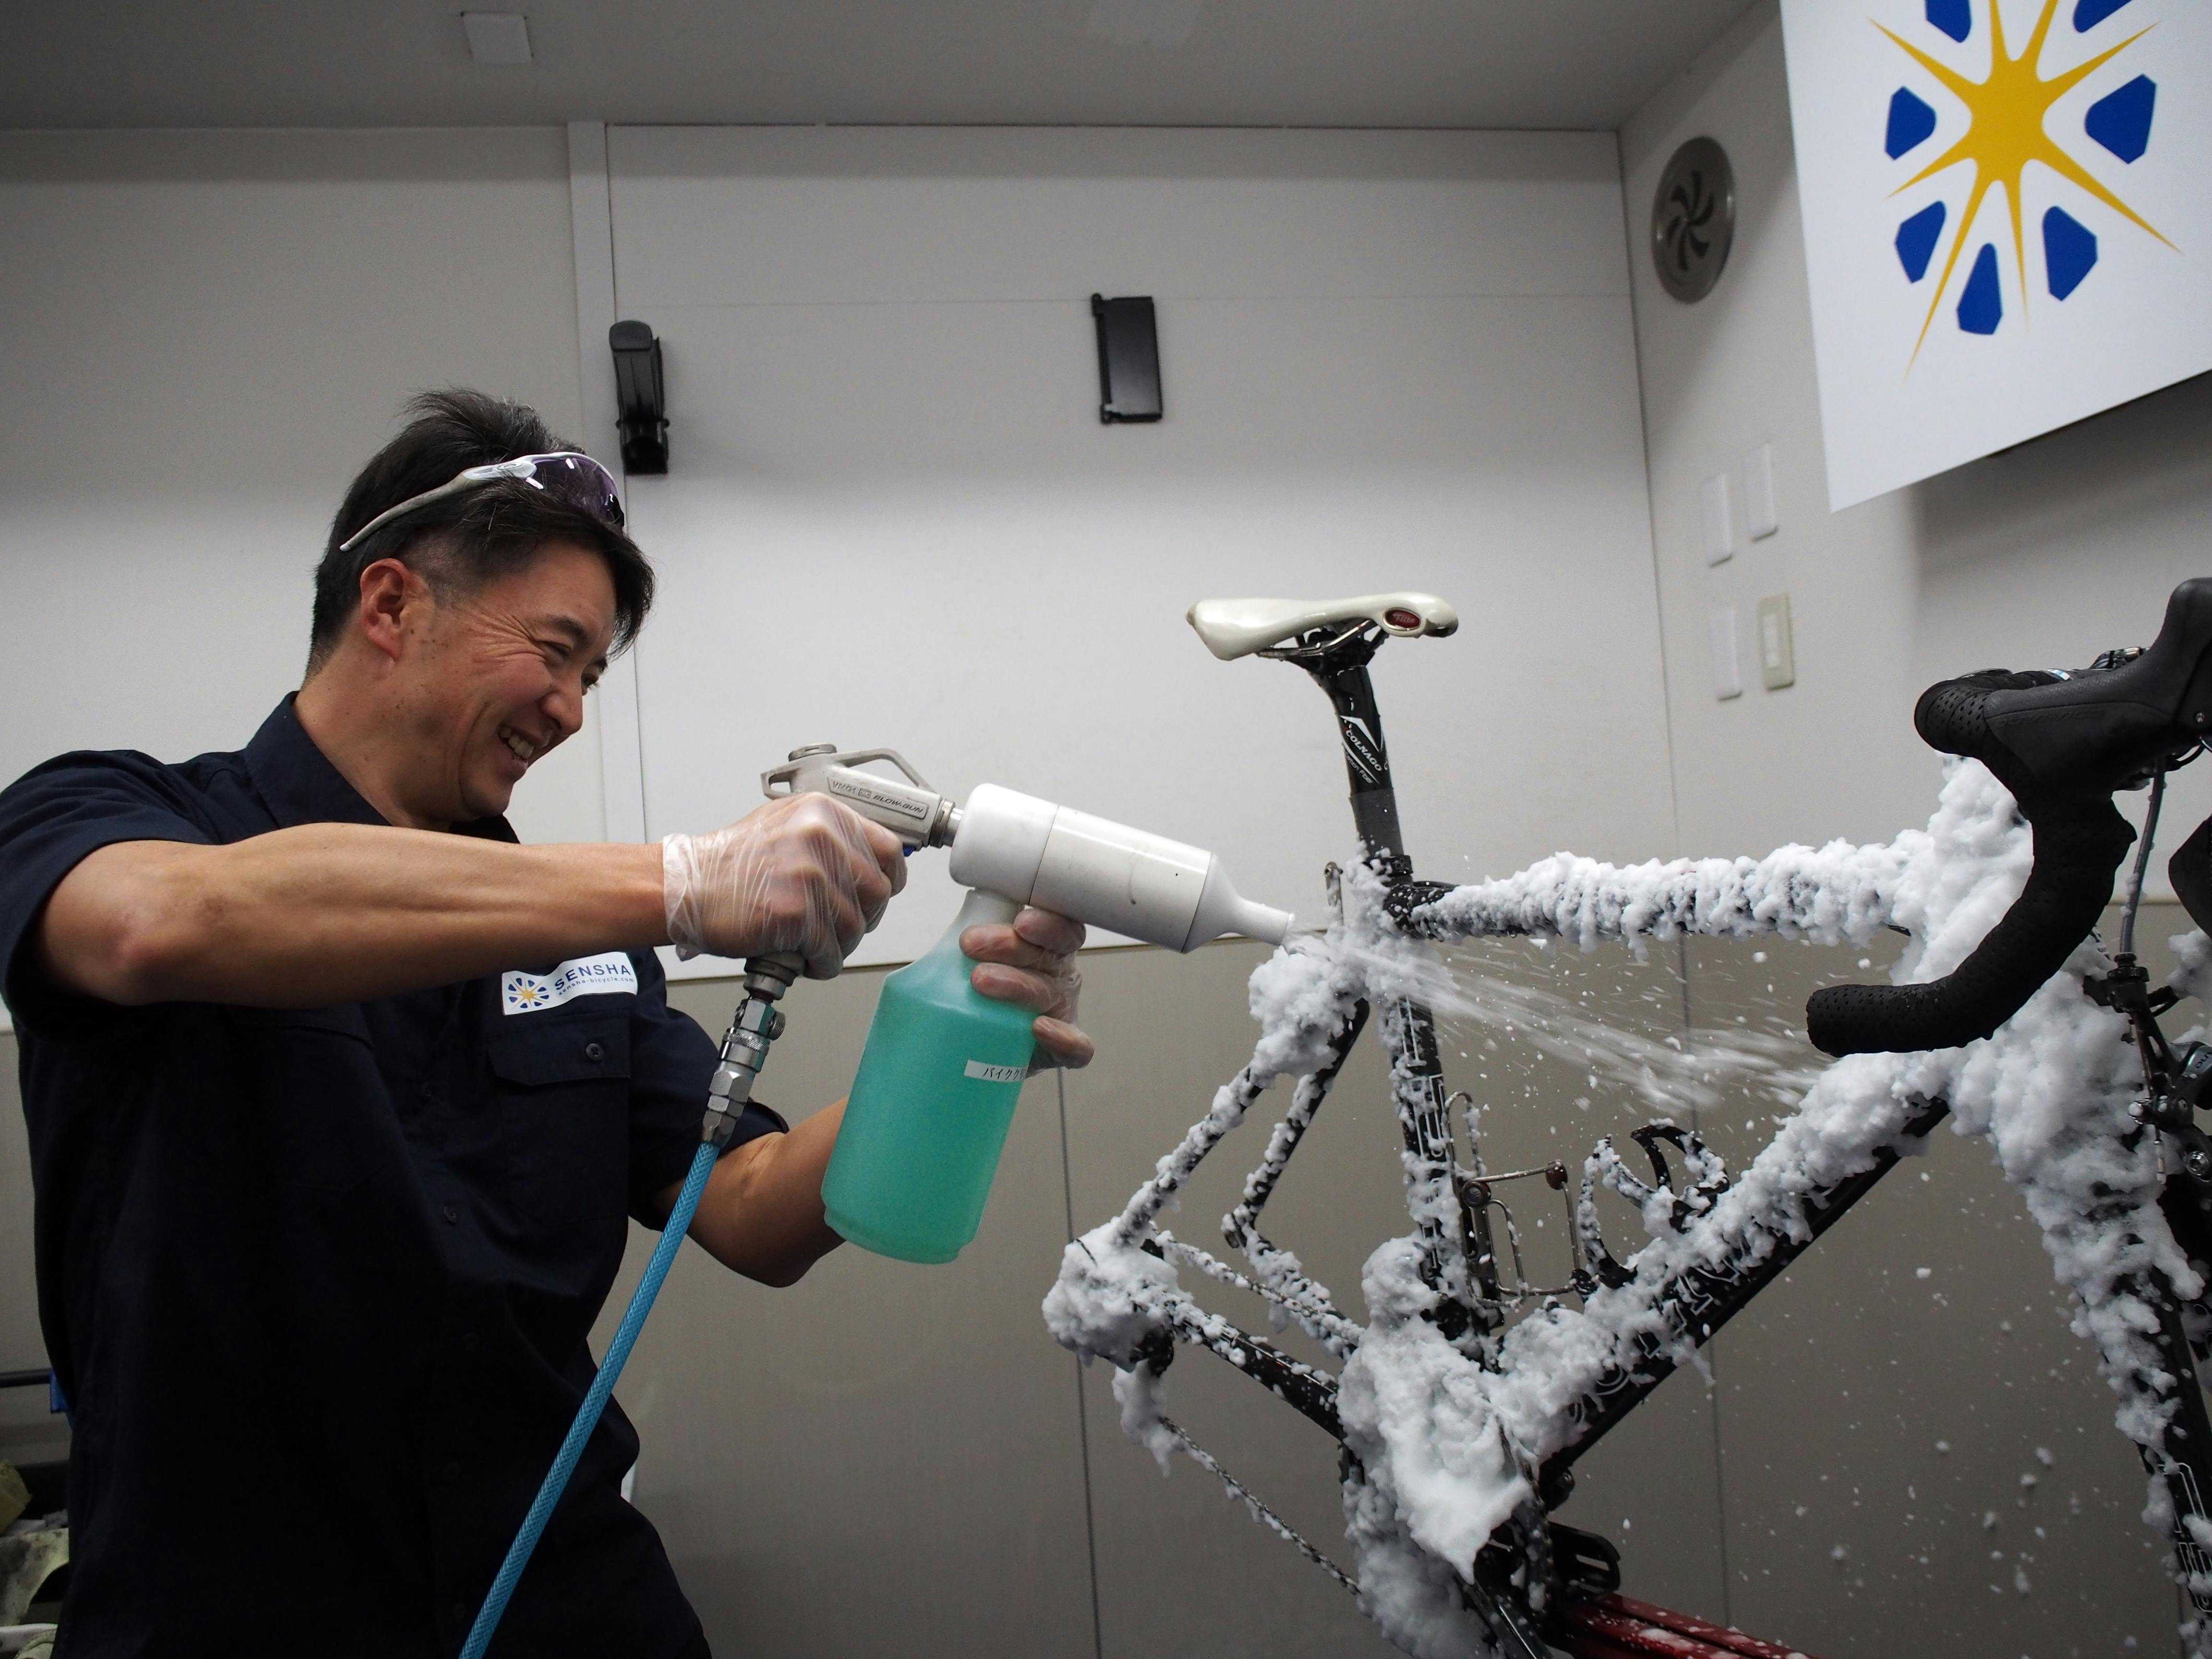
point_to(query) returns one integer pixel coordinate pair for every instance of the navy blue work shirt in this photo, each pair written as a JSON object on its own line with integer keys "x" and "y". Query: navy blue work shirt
{"x": 318, "y": 1282}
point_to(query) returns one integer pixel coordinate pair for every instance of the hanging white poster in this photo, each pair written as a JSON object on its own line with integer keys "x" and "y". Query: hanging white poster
{"x": 2008, "y": 208}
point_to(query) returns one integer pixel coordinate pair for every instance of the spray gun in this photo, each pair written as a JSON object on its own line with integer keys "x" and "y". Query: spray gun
{"x": 1006, "y": 846}
{"x": 943, "y": 1067}
{"x": 1031, "y": 852}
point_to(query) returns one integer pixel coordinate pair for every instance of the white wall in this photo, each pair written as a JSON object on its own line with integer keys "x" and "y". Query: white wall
{"x": 206, "y": 335}
{"x": 2039, "y": 557}
{"x": 1389, "y": 359}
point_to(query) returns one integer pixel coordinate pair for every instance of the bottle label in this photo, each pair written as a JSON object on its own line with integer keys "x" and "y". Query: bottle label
{"x": 976, "y": 1068}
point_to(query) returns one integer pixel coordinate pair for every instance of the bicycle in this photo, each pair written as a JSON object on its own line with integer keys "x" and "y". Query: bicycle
{"x": 1458, "y": 1426}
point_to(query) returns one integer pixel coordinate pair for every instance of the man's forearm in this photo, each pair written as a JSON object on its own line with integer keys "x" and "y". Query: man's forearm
{"x": 303, "y": 917}
{"x": 761, "y": 1214}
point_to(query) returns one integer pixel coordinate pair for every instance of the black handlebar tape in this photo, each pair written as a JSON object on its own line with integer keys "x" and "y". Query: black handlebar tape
{"x": 2062, "y": 744}
{"x": 2079, "y": 844}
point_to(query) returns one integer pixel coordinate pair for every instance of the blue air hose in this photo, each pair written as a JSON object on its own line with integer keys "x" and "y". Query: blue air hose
{"x": 587, "y": 1414}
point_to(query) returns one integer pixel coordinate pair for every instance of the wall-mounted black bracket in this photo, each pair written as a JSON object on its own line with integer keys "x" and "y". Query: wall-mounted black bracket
{"x": 640, "y": 403}
{"x": 1128, "y": 360}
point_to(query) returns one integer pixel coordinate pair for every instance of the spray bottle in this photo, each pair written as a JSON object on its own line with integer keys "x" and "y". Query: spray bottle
{"x": 943, "y": 1067}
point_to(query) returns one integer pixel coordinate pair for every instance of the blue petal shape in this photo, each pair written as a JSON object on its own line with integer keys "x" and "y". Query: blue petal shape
{"x": 2088, "y": 14}
{"x": 2069, "y": 248}
{"x": 1956, "y": 17}
{"x": 1916, "y": 240}
{"x": 2120, "y": 121}
{"x": 1911, "y": 121}
{"x": 1981, "y": 307}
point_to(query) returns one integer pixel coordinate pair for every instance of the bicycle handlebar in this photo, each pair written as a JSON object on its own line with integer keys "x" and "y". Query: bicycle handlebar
{"x": 2062, "y": 744}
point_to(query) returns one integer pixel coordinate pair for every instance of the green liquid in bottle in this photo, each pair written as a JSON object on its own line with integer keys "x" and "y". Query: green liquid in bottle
{"x": 930, "y": 1108}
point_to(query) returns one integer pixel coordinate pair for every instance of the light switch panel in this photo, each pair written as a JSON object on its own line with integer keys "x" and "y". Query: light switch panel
{"x": 1728, "y": 674}
{"x": 1758, "y": 515}
{"x": 1714, "y": 508}
{"x": 1778, "y": 662}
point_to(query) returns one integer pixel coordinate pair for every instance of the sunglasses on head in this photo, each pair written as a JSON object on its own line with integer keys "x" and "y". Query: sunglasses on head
{"x": 570, "y": 478}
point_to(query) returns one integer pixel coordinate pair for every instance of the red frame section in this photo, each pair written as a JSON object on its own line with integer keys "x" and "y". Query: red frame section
{"x": 1619, "y": 1627}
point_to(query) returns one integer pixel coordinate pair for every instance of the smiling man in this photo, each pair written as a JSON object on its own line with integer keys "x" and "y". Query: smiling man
{"x": 338, "y": 1097}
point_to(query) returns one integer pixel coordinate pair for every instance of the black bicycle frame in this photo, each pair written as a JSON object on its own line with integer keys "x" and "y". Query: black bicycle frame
{"x": 1464, "y": 1269}
{"x": 1409, "y": 1028}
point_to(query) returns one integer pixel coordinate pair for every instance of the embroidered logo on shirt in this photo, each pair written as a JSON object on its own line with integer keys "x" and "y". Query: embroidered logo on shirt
{"x": 607, "y": 974}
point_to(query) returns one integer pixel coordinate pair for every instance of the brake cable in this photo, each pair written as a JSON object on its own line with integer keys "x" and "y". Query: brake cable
{"x": 2142, "y": 862}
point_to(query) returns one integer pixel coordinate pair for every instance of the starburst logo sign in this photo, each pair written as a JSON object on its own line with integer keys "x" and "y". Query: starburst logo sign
{"x": 525, "y": 992}
{"x": 2008, "y": 216}
{"x": 2006, "y": 130}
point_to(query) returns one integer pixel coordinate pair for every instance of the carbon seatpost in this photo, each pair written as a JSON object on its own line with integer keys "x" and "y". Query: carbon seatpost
{"x": 1409, "y": 1027}
{"x": 1342, "y": 675}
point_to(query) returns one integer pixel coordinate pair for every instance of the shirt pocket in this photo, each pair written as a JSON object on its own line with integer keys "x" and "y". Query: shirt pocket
{"x": 322, "y": 1118}
{"x": 562, "y": 1082}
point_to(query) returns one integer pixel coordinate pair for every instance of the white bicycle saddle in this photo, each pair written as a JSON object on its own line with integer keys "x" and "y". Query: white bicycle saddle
{"x": 1236, "y": 628}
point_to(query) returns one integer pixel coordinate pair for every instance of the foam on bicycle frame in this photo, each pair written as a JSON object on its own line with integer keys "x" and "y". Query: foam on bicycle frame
{"x": 1447, "y": 1447}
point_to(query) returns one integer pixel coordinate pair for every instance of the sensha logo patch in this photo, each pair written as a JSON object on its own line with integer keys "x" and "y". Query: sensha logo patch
{"x": 609, "y": 974}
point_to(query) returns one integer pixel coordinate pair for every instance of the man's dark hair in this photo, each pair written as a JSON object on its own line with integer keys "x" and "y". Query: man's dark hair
{"x": 459, "y": 543}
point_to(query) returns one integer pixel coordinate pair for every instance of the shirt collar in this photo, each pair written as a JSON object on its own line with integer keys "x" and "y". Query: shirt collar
{"x": 299, "y": 785}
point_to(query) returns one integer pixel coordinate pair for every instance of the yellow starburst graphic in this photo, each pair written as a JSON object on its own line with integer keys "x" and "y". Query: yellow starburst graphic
{"x": 2005, "y": 131}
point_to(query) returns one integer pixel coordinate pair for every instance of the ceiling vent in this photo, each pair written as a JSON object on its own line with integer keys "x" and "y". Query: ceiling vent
{"x": 497, "y": 37}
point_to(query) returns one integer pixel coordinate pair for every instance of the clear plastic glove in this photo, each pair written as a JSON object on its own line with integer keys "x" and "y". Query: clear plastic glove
{"x": 805, "y": 875}
{"x": 1031, "y": 964}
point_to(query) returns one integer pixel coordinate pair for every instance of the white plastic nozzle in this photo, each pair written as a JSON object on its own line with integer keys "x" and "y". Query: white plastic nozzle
{"x": 1102, "y": 874}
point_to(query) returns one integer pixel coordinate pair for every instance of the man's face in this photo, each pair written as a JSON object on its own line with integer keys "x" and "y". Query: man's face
{"x": 495, "y": 677}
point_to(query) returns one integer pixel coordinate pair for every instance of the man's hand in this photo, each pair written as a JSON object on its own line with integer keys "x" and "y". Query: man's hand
{"x": 1031, "y": 964}
{"x": 805, "y": 875}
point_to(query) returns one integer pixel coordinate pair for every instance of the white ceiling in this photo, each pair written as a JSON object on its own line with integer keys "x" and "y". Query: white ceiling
{"x": 1543, "y": 64}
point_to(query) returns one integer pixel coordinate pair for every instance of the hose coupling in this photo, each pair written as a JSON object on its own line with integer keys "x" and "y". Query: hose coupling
{"x": 756, "y": 1023}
